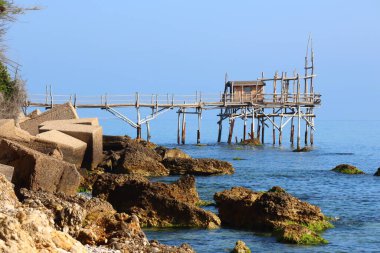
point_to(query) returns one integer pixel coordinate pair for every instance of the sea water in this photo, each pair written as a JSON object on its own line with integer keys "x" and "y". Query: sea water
{"x": 352, "y": 199}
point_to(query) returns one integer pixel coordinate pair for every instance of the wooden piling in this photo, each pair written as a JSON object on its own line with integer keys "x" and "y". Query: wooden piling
{"x": 253, "y": 124}
{"x": 262, "y": 131}
{"x": 231, "y": 130}
{"x": 148, "y": 136}
{"x": 220, "y": 126}
{"x": 299, "y": 129}
{"x": 179, "y": 127}
{"x": 199, "y": 126}
{"x": 184, "y": 126}
{"x": 245, "y": 125}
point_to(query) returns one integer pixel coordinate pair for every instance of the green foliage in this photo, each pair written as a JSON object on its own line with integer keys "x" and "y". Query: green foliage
{"x": 6, "y": 83}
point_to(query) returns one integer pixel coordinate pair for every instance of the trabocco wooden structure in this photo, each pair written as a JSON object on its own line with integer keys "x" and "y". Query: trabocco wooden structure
{"x": 267, "y": 102}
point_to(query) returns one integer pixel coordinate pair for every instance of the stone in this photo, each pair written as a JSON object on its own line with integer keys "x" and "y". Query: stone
{"x": 127, "y": 156}
{"x": 7, "y": 128}
{"x": 25, "y": 229}
{"x": 7, "y": 171}
{"x": 42, "y": 146}
{"x": 94, "y": 222}
{"x": 347, "y": 169}
{"x": 34, "y": 114}
{"x": 37, "y": 171}
{"x": 155, "y": 204}
{"x": 240, "y": 247}
{"x": 59, "y": 112}
{"x": 72, "y": 149}
{"x": 92, "y": 135}
{"x": 377, "y": 173}
{"x": 199, "y": 167}
{"x": 82, "y": 121}
{"x": 298, "y": 234}
{"x": 171, "y": 153}
{"x": 267, "y": 211}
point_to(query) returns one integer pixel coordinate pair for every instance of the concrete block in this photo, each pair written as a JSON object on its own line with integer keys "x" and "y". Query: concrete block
{"x": 72, "y": 149}
{"x": 36, "y": 171}
{"x": 7, "y": 128}
{"x": 7, "y": 171}
{"x": 84, "y": 121}
{"x": 60, "y": 112}
{"x": 92, "y": 135}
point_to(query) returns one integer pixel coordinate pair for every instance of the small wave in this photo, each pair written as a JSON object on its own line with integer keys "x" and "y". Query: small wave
{"x": 338, "y": 154}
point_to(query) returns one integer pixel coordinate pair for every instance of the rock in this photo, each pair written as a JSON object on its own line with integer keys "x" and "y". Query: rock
{"x": 253, "y": 142}
{"x": 42, "y": 146}
{"x": 377, "y": 172}
{"x": 7, "y": 171}
{"x": 240, "y": 247}
{"x": 171, "y": 153}
{"x": 304, "y": 149}
{"x": 126, "y": 156}
{"x": 95, "y": 222}
{"x": 34, "y": 114}
{"x": 92, "y": 135}
{"x": 72, "y": 149}
{"x": 59, "y": 112}
{"x": 156, "y": 204}
{"x": 347, "y": 169}
{"x": 268, "y": 211}
{"x": 298, "y": 234}
{"x": 200, "y": 167}
{"x": 24, "y": 229}
{"x": 8, "y": 197}
{"x": 7, "y": 128}
{"x": 37, "y": 171}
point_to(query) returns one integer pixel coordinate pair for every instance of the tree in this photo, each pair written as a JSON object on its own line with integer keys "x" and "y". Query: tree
{"x": 12, "y": 90}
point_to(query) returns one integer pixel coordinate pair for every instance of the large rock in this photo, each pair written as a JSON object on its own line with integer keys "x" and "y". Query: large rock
{"x": 377, "y": 173}
{"x": 127, "y": 156}
{"x": 7, "y": 171}
{"x": 7, "y": 128}
{"x": 59, "y": 112}
{"x": 156, "y": 204}
{"x": 268, "y": 211}
{"x": 347, "y": 169}
{"x": 240, "y": 247}
{"x": 72, "y": 149}
{"x": 25, "y": 229}
{"x": 92, "y": 135}
{"x": 37, "y": 171}
{"x": 95, "y": 222}
{"x": 200, "y": 167}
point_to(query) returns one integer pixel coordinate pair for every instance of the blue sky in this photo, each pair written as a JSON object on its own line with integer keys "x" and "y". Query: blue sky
{"x": 94, "y": 47}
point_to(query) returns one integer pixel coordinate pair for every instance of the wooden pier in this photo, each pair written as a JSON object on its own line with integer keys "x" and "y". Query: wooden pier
{"x": 267, "y": 102}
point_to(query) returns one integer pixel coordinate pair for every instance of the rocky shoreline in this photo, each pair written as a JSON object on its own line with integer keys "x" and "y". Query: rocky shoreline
{"x": 53, "y": 156}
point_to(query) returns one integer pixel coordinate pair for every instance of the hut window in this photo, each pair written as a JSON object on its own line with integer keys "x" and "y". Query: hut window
{"x": 247, "y": 89}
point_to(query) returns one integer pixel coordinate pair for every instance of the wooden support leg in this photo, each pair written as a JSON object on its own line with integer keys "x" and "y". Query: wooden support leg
{"x": 148, "y": 132}
{"x": 292, "y": 131}
{"x": 184, "y": 127}
{"x": 258, "y": 129}
{"x": 311, "y": 130}
{"x": 306, "y": 130}
{"x": 245, "y": 128}
{"x": 274, "y": 133}
{"x": 262, "y": 130}
{"x": 253, "y": 125}
{"x": 231, "y": 130}
{"x": 299, "y": 129}
{"x": 280, "y": 131}
{"x": 199, "y": 126}
{"x": 178, "y": 128}
{"x": 220, "y": 129}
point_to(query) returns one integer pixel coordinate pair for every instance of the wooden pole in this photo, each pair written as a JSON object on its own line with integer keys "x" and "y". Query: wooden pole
{"x": 148, "y": 131}
{"x": 258, "y": 129}
{"x": 306, "y": 128}
{"x": 178, "y": 127}
{"x": 280, "y": 130}
{"x": 184, "y": 126}
{"x": 220, "y": 126}
{"x": 245, "y": 125}
{"x": 262, "y": 130}
{"x": 299, "y": 129}
{"x": 199, "y": 126}
{"x": 292, "y": 131}
{"x": 311, "y": 129}
{"x": 253, "y": 124}
{"x": 231, "y": 130}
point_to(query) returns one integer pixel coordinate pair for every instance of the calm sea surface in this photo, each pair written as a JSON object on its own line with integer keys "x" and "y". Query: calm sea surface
{"x": 353, "y": 200}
